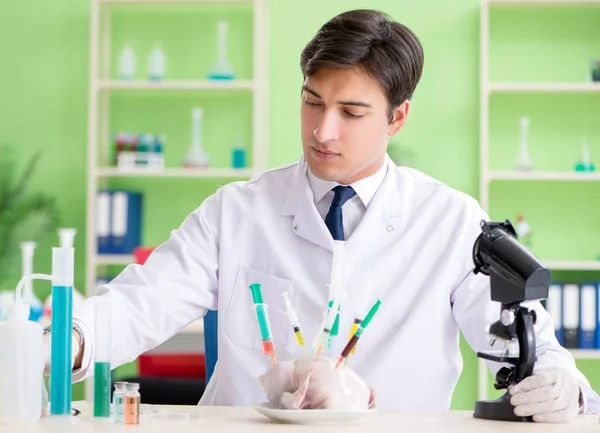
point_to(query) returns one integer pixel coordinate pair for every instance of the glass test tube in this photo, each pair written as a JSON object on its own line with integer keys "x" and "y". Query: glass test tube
{"x": 118, "y": 401}
{"x": 132, "y": 404}
{"x": 102, "y": 359}
{"x": 62, "y": 324}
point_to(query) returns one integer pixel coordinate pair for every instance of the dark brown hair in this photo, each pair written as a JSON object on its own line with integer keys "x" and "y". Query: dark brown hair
{"x": 368, "y": 39}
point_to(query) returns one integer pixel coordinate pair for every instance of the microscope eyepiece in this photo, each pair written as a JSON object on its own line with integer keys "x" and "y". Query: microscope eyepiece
{"x": 498, "y": 253}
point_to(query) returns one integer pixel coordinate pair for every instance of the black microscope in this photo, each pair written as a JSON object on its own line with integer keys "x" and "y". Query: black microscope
{"x": 515, "y": 276}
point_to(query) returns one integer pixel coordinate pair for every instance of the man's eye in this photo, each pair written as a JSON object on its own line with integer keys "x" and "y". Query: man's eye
{"x": 352, "y": 115}
{"x": 314, "y": 104}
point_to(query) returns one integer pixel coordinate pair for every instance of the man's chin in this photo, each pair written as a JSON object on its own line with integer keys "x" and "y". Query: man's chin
{"x": 320, "y": 173}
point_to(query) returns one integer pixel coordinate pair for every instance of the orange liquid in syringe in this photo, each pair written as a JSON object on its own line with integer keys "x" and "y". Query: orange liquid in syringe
{"x": 268, "y": 349}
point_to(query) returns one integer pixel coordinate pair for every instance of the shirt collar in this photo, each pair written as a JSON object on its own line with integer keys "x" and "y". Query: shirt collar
{"x": 365, "y": 188}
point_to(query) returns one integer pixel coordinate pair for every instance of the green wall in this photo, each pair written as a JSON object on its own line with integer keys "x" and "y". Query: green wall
{"x": 43, "y": 105}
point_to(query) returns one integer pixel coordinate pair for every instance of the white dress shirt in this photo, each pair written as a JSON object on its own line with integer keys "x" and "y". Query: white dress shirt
{"x": 354, "y": 209}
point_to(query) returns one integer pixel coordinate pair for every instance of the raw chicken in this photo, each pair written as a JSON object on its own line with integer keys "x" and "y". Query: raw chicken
{"x": 313, "y": 383}
{"x": 276, "y": 381}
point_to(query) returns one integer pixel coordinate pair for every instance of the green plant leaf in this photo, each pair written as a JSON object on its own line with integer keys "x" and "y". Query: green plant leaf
{"x": 7, "y": 176}
{"x": 24, "y": 216}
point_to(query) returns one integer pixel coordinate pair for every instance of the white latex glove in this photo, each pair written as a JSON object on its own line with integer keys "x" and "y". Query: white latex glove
{"x": 549, "y": 395}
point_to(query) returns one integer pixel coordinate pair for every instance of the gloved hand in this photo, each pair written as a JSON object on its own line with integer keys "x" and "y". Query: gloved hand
{"x": 549, "y": 395}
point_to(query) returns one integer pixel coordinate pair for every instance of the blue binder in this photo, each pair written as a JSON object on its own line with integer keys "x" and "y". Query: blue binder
{"x": 118, "y": 221}
{"x": 587, "y": 315}
{"x": 571, "y": 321}
{"x": 555, "y": 310}
{"x": 126, "y": 221}
{"x": 103, "y": 221}
{"x": 598, "y": 315}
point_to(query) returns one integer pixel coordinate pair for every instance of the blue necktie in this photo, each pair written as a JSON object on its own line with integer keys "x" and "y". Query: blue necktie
{"x": 333, "y": 220}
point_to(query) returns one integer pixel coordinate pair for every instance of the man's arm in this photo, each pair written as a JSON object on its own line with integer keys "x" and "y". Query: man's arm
{"x": 474, "y": 310}
{"x": 152, "y": 302}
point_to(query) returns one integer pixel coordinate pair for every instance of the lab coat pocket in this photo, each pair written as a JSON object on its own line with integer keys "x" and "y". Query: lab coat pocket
{"x": 241, "y": 323}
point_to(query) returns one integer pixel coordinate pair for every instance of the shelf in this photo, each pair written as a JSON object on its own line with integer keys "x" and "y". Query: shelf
{"x": 572, "y": 265}
{"x": 585, "y": 353}
{"x": 196, "y": 327}
{"x": 543, "y": 2}
{"x": 176, "y": 85}
{"x": 544, "y": 175}
{"x": 547, "y": 87}
{"x": 169, "y": 2}
{"x": 176, "y": 173}
{"x": 114, "y": 259}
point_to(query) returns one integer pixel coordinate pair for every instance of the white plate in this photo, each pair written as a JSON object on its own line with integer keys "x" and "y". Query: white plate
{"x": 312, "y": 416}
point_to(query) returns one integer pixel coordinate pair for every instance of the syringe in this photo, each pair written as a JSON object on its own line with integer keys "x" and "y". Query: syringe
{"x": 263, "y": 322}
{"x": 362, "y": 307}
{"x": 322, "y": 337}
{"x": 335, "y": 327}
{"x": 335, "y": 286}
{"x": 293, "y": 318}
{"x": 352, "y": 343}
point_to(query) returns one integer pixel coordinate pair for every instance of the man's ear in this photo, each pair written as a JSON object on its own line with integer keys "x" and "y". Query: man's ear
{"x": 399, "y": 116}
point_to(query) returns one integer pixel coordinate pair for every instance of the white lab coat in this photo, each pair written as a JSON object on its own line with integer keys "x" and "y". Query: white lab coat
{"x": 417, "y": 236}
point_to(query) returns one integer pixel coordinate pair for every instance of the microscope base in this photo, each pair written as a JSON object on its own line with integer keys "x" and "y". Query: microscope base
{"x": 499, "y": 410}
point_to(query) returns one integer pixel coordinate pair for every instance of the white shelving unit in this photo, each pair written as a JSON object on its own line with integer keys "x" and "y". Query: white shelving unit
{"x": 176, "y": 85}
{"x": 101, "y": 85}
{"x": 487, "y": 89}
{"x": 585, "y": 354}
{"x": 106, "y": 172}
{"x": 543, "y": 175}
{"x": 543, "y": 87}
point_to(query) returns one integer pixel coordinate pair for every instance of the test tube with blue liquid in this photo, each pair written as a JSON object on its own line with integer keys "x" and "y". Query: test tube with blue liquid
{"x": 62, "y": 324}
{"x": 102, "y": 360}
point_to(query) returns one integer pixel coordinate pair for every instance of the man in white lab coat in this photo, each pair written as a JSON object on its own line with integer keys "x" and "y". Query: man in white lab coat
{"x": 278, "y": 229}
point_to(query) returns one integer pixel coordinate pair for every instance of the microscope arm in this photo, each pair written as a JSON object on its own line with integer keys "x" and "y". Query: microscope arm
{"x": 526, "y": 338}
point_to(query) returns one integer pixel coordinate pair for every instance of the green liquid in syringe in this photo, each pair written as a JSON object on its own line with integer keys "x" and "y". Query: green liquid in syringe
{"x": 102, "y": 389}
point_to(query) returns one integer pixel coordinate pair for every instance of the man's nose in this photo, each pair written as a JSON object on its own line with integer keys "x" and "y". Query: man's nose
{"x": 328, "y": 128}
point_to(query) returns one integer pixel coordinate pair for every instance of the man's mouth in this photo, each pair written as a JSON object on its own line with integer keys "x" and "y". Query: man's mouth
{"x": 324, "y": 154}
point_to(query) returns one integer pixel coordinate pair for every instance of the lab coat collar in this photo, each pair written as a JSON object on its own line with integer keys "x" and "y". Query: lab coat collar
{"x": 377, "y": 221}
{"x": 365, "y": 188}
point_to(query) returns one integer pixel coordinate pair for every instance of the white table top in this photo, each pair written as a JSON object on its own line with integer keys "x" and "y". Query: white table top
{"x": 246, "y": 419}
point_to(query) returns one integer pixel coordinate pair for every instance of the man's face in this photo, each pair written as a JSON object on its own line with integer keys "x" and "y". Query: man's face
{"x": 345, "y": 124}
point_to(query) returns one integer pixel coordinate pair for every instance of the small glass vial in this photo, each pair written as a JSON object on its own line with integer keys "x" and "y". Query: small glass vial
{"x": 118, "y": 401}
{"x": 132, "y": 404}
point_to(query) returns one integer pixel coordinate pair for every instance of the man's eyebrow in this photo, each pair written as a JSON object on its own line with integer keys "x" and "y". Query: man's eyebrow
{"x": 311, "y": 91}
{"x": 355, "y": 103}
